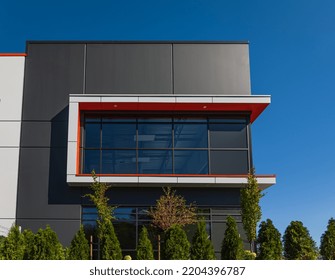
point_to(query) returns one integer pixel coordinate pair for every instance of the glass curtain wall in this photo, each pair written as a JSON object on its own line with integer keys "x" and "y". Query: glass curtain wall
{"x": 165, "y": 145}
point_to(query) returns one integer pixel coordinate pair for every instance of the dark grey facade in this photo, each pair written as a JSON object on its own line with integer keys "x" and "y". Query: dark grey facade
{"x": 54, "y": 70}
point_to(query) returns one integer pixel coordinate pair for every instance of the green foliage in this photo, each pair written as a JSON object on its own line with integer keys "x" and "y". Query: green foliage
{"x": 248, "y": 255}
{"x": 29, "y": 242}
{"x": 100, "y": 200}
{"x": 144, "y": 248}
{"x": 12, "y": 247}
{"x": 269, "y": 242}
{"x": 298, "y": 244}
{"x": 109, "y": 243}
{"x": 79, "y": 248}
{"x": 327, "y": 244}
{"x": 171, "y": 209}
{"x": 232, "y": 246}
{"x": 47, "y": 246}
{"x": 202, "y": 247}
{"x": 176, "y": 245}
{"x": 250, "y": 208}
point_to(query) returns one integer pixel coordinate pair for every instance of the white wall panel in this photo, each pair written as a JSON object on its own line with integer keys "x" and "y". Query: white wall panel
{"x": 9, "y": 161}
{"x": 10, "y": 134}
{"x": 11, "y": 87}
{"x": 11, "y": 91}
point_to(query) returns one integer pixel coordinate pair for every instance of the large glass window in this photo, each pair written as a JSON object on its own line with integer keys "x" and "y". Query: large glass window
{"x": 164, "y": 145}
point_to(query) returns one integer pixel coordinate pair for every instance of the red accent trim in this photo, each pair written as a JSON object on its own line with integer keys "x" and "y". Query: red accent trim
{"x": 254, "y": 108}
{"x": 13, "y": 54}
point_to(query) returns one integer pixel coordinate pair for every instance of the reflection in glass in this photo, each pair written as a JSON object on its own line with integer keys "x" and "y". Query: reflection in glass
{"x": 188, "y": 135}
{"x": 119, "y": 161}
{"x": 152, "y": 136}
{"x": 92, "y": 135}
{"x": 91, "y": 161}
{"x": 190, "y": 162}
{"x": 154, "y": 162}
{"x": 117, "y": 135}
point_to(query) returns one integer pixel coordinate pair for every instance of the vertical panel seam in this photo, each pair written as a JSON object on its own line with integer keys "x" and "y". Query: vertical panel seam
{"x": 172, "y": 68}
{"x": 84, "y": 74}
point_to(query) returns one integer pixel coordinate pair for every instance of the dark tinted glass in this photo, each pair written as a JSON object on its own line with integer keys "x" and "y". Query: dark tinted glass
{"x": 153, "y": 120}
{"x": 187, "y": 135}
{"x": 228, "y": 135}
{"x": 228, "y": 120}
{"x": 190, "y": 120}
{"x": 92, "y": 118}
{"x": 119, "y": 161}
{"x": 153, "y": 135}
{"x": 111, "y": 119}
{"x": 91, "y": 161}
{"x": 229, "y": 162}
{"x": 190, "y": 162}
{"x": 119, "y": 135}
{"x": 92, "y": 135}
{"x": 154, "y": 162}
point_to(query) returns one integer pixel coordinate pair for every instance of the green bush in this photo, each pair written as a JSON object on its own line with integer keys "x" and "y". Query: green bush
{"x": 202, "y": 247}
{"x": 327, "y": 244}
{"x": 176, "y": 245}
{"x": 12, "y": 247}
{"x": 232, "y": 246}
{"x": 269, "y": 242}
{"x": 47, "y": 246}
{"x": 248, "y": 255}
{"x": 109, "y": 243}
{"x": 298, "y": 244}
{"x": 144, "y": 248}
{"x": 79, "y": 248}
{"x": 29, "y": 242}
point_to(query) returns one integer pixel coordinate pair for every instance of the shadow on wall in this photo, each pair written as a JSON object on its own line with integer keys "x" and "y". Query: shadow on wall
{"x": 59, "y": 192}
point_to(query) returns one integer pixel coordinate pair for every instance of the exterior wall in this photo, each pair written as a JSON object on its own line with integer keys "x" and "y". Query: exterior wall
{"x": 53, "y": 71}
{"x": 11, "y": 89}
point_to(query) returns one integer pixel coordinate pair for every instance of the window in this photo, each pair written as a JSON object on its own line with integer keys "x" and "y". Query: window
{"x": 164, "y": 145}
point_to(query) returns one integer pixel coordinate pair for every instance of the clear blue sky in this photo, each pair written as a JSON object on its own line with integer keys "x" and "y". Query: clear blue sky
{"x": 292, "y": 55}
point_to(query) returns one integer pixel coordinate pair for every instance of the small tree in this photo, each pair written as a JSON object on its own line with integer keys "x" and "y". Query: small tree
{"x": 12, "y": 248}
{"x": 79, "y": 248}
{"x": 298, "y": 244}
{"x": 327, "y": 244}
{"x": 47, "y": 245}
{"x": 269, "y": 242}
{"x": 202, "y": 247}
{"x": 171, "y": 209}
{"x": 232, "y": 245}
{"x": 29, "y": 239}
{"x": 109, "y": 243}
{"x": 250, "y": 209}
{"x": 176, "y": 245}
{"x": 144, "y": 248}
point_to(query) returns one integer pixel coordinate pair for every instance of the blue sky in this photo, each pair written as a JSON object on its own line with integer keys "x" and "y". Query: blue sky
{"x": 292, "y": 56}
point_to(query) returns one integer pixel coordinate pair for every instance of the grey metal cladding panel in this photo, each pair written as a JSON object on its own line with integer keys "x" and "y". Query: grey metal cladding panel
{"x": 129, "y": 68}
{"x": 52, "y": 72}
{"x": 44, "y": 134}
{"x": 65, "y": 229}
{"x": 211, "y": 69}
{"x": 149, "y": 195}
{"x": 42, "y": 172}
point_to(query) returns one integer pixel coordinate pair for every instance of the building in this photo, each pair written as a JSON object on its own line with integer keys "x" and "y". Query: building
{"x": 143, "y": 115}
